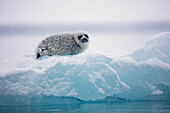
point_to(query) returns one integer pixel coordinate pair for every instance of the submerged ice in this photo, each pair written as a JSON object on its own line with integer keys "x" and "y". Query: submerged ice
{"x": 140, "y": 75}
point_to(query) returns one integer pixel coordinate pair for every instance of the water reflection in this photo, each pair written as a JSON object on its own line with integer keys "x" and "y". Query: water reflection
{"x": 122, "y": 107}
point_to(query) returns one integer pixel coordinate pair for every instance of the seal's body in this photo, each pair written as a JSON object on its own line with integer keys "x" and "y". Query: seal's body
{"x": 63, "y": 44}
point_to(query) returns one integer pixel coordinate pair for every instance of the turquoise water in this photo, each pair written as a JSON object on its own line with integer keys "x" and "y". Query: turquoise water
{"x": 119, "y": 107}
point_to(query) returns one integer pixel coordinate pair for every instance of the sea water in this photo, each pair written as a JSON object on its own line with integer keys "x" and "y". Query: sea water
{"x": 118, "y": 107}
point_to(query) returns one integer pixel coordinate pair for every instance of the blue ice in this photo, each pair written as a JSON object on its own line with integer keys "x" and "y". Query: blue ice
{"x": 144, "y": 74}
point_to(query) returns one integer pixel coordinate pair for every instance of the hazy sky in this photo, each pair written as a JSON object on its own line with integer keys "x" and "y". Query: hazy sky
{"x": 77, "y": 11}
{"x": 83, "y": 11}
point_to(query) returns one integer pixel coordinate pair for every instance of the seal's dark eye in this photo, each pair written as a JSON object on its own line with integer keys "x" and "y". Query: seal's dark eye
{"x": 86, "y": 35}
{"x": 79, "y": 37}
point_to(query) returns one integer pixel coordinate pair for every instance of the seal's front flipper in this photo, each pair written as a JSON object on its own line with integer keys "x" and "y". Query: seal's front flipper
{"x": 38, "y": 55}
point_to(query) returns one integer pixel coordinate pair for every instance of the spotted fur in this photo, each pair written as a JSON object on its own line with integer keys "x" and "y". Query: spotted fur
{"x": 63, "y": 44}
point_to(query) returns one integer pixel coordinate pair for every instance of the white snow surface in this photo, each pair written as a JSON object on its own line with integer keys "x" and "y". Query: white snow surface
{"x": 90, "y": 76}
{"x": 157, "y": 92}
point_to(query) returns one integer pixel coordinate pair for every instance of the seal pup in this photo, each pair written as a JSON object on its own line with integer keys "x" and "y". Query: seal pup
{"x": 63, "y": 44}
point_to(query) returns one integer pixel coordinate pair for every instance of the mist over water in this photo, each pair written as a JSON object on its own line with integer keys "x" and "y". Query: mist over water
{"x": 111, "y": 39}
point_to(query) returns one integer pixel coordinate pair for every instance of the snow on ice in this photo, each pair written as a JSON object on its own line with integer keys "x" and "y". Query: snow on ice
{"x": 144, "y": 72}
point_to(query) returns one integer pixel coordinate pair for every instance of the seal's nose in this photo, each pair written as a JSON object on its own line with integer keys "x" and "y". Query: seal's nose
{"x": 84, "y": 39}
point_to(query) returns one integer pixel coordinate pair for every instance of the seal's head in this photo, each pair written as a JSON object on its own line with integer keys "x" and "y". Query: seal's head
{"x": 82, "y": 39}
